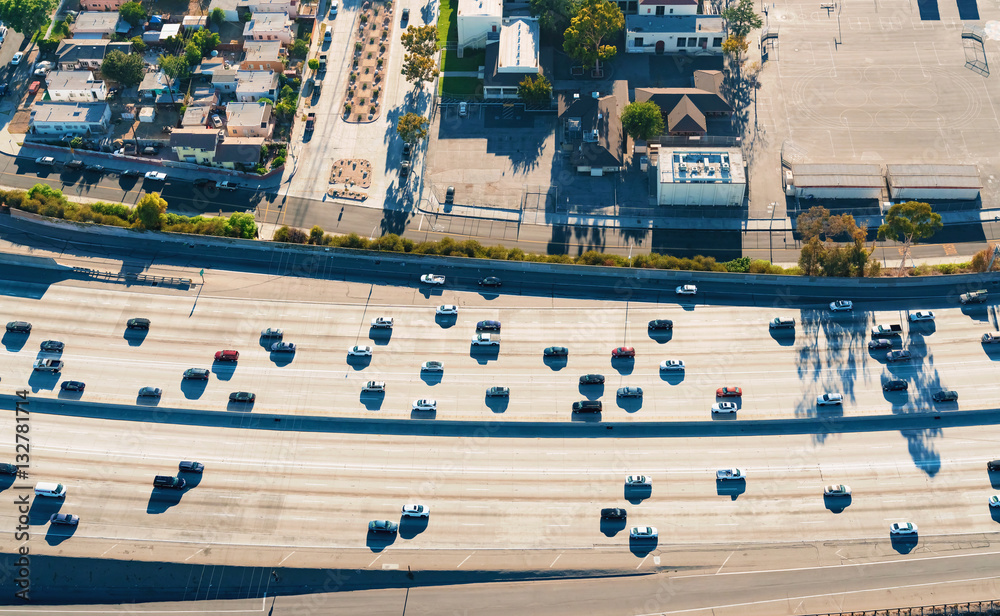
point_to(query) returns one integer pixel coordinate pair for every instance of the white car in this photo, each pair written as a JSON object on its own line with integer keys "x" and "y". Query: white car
{"x": 446, "y": 309}
{"x": 672, "y": 364}
{"x": 360, "y": 351}
{"x": 995, "y": 501}
{"x": 725, "y": 474}
{"x": 416, "y": 511}
{"x": 837, "y": 490}
{"x": 903, "y": 528}
{"x": 334, "y": 6}
{"x": 382, "y": 323}
{"x": 432, "y": 366}
{"x": 643, "y": 532}
{"x": 830, "y": 400}
{"x": 724, "y": 407}
{"x": 432, "y": 279}
{"x": 17, "y": 58}
{"x": 842, "y": 305}
{"x": 638, "y": 480}
{"x": 425, "y": 404}
{"x": 374, "y": 387}
{"x": 156, "y": 175}
{"x": 686, "y": 289}
{"x": 486, "y": 340}
{"x": 921, "y": 315}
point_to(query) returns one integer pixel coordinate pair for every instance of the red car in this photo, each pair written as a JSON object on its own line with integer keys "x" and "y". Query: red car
{"x": 623, "y": 352}
{"x": 33, "y": 88}
{"x": 728, "y": 392}
{"x": 227, "y": 356}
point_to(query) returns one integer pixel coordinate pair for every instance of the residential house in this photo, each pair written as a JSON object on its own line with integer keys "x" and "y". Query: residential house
{"x": 95, "y": 25}
{"x": 511, "y": 59}
{"x": 233, "y": 9}
{"x": 70, "y": 119}
{"x": 205, "y": 96}
{"x": 66, "y": 86}
{"x": 208, "y": 67}
{"x": 224, "y": 80}
{"x": 677, "y": 34}
{"x": 159, "y": 87}
{"x": 195, "y": 116}
{"x": 101, "y": 5}
{"x": 195, "y": 144}
{"x": 269, "y": 27}
{"x": 592, "y": 130}
{"x": 79, "y": 54}
{"x": 479, "y": 22}
{"x": 249, "y": 120}
{"x": 238, "y": 151}
{"x": 288, "y": 7}
{"x": 252, "y": 86}
{"x": 686, "y": 110}
{"x": 194, "y": 22}
{"x": 262, "y": 56}
{"x": 167, "y": 32}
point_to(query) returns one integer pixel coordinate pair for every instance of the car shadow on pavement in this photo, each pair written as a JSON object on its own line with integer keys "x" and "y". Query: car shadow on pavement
{"x": 446, "y": 321}
{"x": 69, "y": 395}
{"x": 629, "y": 405}
{"x": 377, "y": 542}
{"x": 995, "y": 514}
{"x": 162, "y": 500}
{"x": 193, "y": 388}
{"x": 135, "y": 337}
{"x": 641, "y": 547}
{"x": 497, "y": 404}
{"x": 994, "y": 478}
{"x": 724, "y": 416}
{"x": 6, "y": 481}
{"x": 429, "y": 292}
{"x": 431, "y": 377}
{"x": 42, "y": 509}
{"x": 591, "y": 392}
{"x": 624, "y": 365}
{"x": 674, "y": 377}
{"x": 484, "y": 355}
{"x": 281, "y": 359}
{"x": 837, "y": 504}
{"x": 661, "y": 336}
{"x": 379, "y": 336}
{"x": 372, "y": 400}
{"x": 240, "y": 407}
{"x": 610, "y": 528}
{"x": 14, "y": 341}
{"x": 992, "y": 351}
{"x": 903, "y": 544}
{"x": 637, "y": 494}
{"x": 555, "y": 363}
{"x": 59, "y": 533}
{"x": 359, "y": 362}
{"x": 411, "y": 527}
{"x": 731, "y": 488}
{"x": 147, "y": 401}
{"x": 224, "y": 370}
{"x": 40, "y": 380}
{"x": 417, "y": 414}
{"x": 784, "y": 337}
{"x": 585, "y": 417}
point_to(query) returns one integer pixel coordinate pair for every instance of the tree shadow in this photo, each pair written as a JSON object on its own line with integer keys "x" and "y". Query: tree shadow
{"x": 411, "y": 527}
{"x": 731, "y": 487}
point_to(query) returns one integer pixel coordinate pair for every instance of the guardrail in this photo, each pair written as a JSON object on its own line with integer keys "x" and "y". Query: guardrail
{"x": 128, "y": 278}
{"x": 972, "y": 608}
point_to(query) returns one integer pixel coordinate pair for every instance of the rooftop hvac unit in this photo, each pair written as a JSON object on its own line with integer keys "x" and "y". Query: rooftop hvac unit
{"x": 683, "y": 166}
{"x": 725, "y": 165}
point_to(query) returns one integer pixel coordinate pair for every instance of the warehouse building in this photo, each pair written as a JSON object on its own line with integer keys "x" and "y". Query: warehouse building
{"x": 836, "y": 181}
{"x": 927, "y": 182}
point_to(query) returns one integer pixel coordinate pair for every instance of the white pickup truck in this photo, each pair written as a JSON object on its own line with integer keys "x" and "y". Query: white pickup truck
{"x": 382, "y": 323}
{"x": 724, "y": 474}
{"x": 486, "y": 340}
{"x": 48, "y": 365}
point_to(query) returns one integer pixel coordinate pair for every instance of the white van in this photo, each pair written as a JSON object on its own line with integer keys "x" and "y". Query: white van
{"x": 44, "y": 488}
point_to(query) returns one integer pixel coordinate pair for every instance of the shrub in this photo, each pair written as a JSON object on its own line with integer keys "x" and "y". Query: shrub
{"x": 290, "y": 235}
{"x": 277, "y": 162}
{"x": 947, "y": 268}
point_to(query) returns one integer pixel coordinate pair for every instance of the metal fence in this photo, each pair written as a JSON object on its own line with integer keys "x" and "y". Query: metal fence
{"x": 127, "y": 278}
{"x": 973, "y": 608}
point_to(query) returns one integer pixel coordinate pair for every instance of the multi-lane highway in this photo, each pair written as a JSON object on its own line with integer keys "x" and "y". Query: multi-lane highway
{"x": 295, "y": 500}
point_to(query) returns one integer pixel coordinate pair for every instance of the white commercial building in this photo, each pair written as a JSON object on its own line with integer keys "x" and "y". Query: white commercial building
{"x": 703, "y": 177}
{"x": 479, "y": 22}
{"x": 923, "y": 182}
{"x": 834, "y": 181}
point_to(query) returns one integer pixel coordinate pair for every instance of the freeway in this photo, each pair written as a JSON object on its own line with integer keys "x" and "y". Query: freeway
{"x": 781, "y": 372}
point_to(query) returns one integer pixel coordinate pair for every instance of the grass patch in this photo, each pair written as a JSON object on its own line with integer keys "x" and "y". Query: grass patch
{"x": 471, "y": 62}
{"x": 461, "y": 87}
{"x": 448, "y": 22}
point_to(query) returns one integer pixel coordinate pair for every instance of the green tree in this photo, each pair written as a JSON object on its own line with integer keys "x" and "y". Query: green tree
{"x": 595, "y": 22}
{"x": 420, "y": 40}
{"x": 206, "y": 40}
{"x": 243, "y": 225}
{"x": 125, "y": 69}
{"x": 741, "y": 18}
{"x": 148, "y": 213}
{"x": 811, "y": 257}
{"x": 909, "y": 222}
{"x": 217, "y": 16}
{"x": 192, "y": 54}
{"x": 299, "y": 48}
{"x": 643, "y": 120}
{"x": 412, "y": 127}
{"x": 26, "y": 16}
{"x": 537, "y": 90}
{"x": 316, "y": 235}
{"x": 174, "y": 67}
{"x": 553, "y": 15}
{"x": 735, "y": 46}
{"x": 418, "y": 69}
{"x": 138, "y": 44}
{"x": 314, "y": 64}
{"x": 133, "y": 13}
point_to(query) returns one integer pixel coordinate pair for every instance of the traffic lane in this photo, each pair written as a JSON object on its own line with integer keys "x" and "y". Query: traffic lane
{"x": 397, "y": 269}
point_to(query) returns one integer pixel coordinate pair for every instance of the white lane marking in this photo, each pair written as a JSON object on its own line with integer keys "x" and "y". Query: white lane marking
{"x": 804, "y": 597}
{"x": 376, "y": 558}
{"x": 725, "y": 561}
{"x": 286, "y": 558}
{"x": 193, "y": 555}
{"x": 109, "y": 549}
{"x": 554, "y": 561}
{"x": 463, "y": 562}
{"x": 642, "y": 561}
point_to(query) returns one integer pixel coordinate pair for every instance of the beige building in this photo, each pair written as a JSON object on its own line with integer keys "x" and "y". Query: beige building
{"x": 249, "y": 120}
